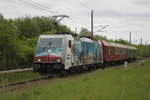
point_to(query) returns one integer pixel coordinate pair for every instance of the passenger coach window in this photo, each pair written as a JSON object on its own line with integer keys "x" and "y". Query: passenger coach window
{"x": 109, "y": 50}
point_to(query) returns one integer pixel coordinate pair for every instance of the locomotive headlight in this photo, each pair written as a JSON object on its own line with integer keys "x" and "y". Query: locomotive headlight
{"x": 58, "y": 60}
{"x": 38, "y": 60}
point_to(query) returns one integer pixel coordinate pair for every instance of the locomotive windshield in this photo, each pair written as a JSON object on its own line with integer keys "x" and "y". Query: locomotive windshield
{"x": 51, "y": 45}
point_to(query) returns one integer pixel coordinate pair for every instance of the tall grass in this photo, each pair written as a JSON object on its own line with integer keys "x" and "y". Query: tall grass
{"x": 15, "y": 77}
{"x": 110, "y": 84}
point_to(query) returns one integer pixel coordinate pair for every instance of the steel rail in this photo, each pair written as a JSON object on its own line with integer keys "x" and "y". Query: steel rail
{"x": 16, "y": 70}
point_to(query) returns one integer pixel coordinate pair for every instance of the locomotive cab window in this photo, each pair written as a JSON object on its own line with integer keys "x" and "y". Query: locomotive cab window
{"x": 52, "y": 44}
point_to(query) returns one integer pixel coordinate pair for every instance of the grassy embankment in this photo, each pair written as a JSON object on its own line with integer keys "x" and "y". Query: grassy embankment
{"x": 109, "y": 84}
{"x": 16, "y": 77}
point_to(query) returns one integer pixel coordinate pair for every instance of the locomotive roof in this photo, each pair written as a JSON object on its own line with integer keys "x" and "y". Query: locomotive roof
{"x": 86, "y": 39}
{"x": 68, "y": 36}
{"x": 117, "y": 45}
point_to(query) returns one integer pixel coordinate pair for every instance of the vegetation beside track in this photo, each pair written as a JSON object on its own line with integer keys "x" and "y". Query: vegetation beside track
{"x": 110, "y": 84}
{"x": 17, "y": 77}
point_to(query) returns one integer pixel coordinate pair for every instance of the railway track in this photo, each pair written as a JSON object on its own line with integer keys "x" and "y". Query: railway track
{"x": 27, "y": 81}
{"x": 50, "y": 76}
{"x": 16, "y": 70}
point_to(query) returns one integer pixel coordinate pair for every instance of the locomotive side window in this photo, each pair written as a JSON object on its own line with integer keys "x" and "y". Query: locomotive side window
{"x": 69, "y": 43}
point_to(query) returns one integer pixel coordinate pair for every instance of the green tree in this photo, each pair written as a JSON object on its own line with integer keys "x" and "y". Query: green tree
{"x": 26, "y": 28}
{"x": 31, "y": 27}
{"x": 8, "y": 43}
{"x": 98, "y": 37}
{"x": 85, "y": 32}
{"x": 45, "y": 24}
{"x": 122, "y": 41}
{"x": 1, "y": 16}
{"x": 143, "y": 50}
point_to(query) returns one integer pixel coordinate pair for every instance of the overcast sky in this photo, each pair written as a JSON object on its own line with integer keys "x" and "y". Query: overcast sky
{"x": 122, "y": 16}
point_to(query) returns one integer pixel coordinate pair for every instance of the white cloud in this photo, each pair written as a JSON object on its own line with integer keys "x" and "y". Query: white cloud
{"x": 122, "y": 16}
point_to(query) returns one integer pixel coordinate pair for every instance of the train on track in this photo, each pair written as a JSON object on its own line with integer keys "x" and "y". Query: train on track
{"x": 68, "y": 53}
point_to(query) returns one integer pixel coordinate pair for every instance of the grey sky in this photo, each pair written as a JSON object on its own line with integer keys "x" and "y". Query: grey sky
{"x": 122, "y": 16}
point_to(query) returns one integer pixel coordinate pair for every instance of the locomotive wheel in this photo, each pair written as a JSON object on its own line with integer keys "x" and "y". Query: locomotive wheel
{"x": 64, "y": 73}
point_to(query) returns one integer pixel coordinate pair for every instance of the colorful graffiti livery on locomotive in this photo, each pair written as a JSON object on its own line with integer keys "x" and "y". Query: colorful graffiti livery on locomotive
{"x": 67, "y": 51}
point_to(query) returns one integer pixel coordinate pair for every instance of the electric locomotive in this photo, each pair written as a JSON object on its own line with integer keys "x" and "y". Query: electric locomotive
{"x": 66, "y": 52}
